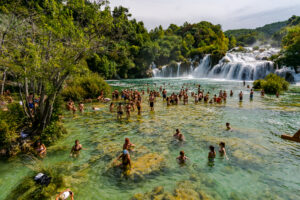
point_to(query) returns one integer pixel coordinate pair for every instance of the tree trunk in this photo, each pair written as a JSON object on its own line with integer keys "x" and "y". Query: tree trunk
{"x": 3, "y": 82}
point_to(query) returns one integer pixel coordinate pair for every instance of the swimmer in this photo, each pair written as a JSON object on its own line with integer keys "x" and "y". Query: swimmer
{"x": 65, "y": 195}
{"x": 76, "y": 149}
{"x": 128, "y": 145}
{"x": 179, "y": 136}
{"x": 212, "y": 153}
{"x": 228, "y": 128}
{"x": 181, "y": 159}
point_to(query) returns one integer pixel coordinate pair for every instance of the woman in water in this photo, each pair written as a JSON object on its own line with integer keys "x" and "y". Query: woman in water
{"x": 41, "y": 149}
{"x": 76, "y": 149}
{"x": 222, "y": 150}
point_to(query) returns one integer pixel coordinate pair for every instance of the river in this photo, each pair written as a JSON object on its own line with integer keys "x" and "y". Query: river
{"x": 260, "y": 166}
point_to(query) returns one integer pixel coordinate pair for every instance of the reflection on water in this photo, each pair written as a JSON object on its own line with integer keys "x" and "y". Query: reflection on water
{"x": 260, "y": 166}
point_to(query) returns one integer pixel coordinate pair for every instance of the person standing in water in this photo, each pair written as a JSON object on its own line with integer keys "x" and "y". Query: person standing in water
{"x": 128, "y": 110}
{"x": 126, "y": 161}
{"x": 251, "y": 95}
{"x": 222, "y": 150}
{"x": 111, "y": 107}
{"x": 151, "y": 101}
{"x": 231, "y": 93}
{"x": 139, "y": 106}
{"x": 181, "y": 159}
{"x": 211, "y": 154}
{"x": 119, "y": 111}
{"x": 241, "y": 96}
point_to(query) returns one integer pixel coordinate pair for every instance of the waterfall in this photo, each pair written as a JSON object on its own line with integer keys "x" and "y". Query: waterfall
{"x": 235, "y": 65}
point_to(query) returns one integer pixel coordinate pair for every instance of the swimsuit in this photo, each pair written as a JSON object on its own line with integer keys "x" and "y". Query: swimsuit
{"x": 151, "y": 104}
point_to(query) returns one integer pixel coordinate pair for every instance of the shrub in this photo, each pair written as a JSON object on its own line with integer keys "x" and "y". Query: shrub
{"x": 84, "y": 87}
{"x": 52, "y": 132}
{"x": 11, "y": 121}
{"x": 271, "y": 84}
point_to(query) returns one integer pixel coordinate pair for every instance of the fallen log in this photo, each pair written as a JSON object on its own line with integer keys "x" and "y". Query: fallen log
{"x": 295, "y": 138}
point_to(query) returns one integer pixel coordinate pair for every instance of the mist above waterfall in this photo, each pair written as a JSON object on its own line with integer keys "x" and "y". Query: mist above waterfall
{"x": 235, "y": 65}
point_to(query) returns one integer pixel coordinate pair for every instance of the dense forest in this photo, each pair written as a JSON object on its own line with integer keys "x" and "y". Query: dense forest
{"x": 268, "y": 34}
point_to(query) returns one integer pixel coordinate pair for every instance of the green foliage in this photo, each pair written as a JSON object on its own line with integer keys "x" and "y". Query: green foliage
{"x": 271, "y": 84}
{"x": 85, "y": 87}
{"x": 291, "y": 48}
{"x": 11, "y": 121}
{"x": 28, "y": 189}
{"x": 52, "y": 132}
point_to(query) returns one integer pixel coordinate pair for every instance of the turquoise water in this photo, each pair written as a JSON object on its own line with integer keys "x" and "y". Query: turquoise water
{"x": 261, "y": 165}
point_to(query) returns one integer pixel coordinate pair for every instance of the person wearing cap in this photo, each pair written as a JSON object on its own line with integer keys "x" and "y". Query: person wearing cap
{"x": 126, "y": 161}
{"x": 65, "y": 195}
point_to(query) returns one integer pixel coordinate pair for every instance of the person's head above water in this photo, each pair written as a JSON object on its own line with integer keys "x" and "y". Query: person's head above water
{"x": 177, "y": 130}
{"x": 212, "y": 148}
{"x": 227, "y": 124}
{"x": 181, "y": 153}
{"x": 126, "y": 140}
{"x": 222, "y": 144}
{"x": 76, "y": 142}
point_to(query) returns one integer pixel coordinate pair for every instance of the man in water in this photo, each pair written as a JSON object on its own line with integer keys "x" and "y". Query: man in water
{"x": 119, "y": 111}
{"x": 76, "y": 149}
{"x": 228, "y": 128}
{"x": 181, "y": 159}
{"x": 151, "y": 101}
{"x": 241, "y": 96}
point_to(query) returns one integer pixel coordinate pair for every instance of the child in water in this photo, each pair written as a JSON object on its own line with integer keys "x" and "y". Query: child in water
{"x": 181, "y": 159}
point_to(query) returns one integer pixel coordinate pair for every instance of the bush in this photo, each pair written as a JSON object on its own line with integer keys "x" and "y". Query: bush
{"x": 84, "y": 87}
{"x": 271, "y": 84}
{"x": 52, "y": 132}
{"x": 11, "y": 121}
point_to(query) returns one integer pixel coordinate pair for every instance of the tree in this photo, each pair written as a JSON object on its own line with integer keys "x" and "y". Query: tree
{"x": 44, "y": 50}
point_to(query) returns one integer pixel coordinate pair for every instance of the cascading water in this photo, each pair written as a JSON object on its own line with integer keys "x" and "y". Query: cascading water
{"x": 248, "y": 65}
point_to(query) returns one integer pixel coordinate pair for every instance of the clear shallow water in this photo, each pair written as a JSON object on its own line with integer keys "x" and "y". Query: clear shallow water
{"x": 261, "y": 165}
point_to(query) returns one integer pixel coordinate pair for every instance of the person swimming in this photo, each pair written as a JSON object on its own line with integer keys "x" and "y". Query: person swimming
{"x": 179, "y": 136}
{"x": 211, "y": 154}
{"x": 181, "y": 159}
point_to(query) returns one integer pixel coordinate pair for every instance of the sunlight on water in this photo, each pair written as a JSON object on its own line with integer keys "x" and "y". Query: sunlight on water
{"x": 261, "y": 165}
